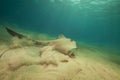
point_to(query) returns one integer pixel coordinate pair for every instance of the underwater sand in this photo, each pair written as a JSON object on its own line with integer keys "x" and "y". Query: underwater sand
{"x": 23, "y": 62}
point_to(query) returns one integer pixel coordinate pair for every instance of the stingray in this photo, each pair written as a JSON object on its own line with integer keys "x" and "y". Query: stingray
{"x": 15, "y": 34}
{"x": 62, "y": 44}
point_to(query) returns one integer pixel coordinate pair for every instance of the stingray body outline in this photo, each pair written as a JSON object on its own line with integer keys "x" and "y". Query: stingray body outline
{"x": 61, "y": 44}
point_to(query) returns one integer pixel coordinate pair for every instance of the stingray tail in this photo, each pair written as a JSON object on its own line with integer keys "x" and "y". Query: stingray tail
{"x": 15, "y": 34}
{"x": 21, "y": 36}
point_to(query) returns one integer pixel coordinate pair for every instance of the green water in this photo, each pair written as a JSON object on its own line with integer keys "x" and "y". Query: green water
{"x": 93, "y": 22}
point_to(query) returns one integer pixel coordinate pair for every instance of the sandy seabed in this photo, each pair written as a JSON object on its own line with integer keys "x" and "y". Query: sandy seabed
{"x": 25, "y": 63}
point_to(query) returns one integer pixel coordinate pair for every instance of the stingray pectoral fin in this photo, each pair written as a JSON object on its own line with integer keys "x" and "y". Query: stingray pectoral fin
{"x": 15, "y": 34}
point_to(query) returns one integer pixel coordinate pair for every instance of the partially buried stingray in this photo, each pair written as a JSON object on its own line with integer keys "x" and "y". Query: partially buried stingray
{"x": 62, "y": 44}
